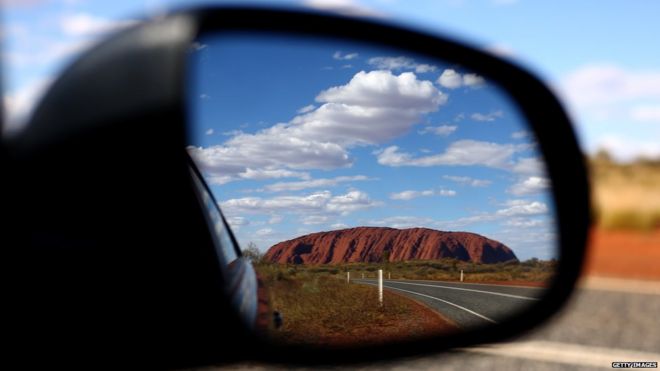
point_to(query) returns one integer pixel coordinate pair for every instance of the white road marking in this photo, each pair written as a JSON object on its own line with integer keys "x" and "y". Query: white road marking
{"x": 621, "y": 285}
{"x": 572, "y": 354}
{"x": 472, "y": 290}
{"x": 444, "y": 301}
{"x": 477, "y": 283}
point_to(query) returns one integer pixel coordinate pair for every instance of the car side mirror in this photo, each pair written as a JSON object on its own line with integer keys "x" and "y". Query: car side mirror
{"x": 431, "y": 177}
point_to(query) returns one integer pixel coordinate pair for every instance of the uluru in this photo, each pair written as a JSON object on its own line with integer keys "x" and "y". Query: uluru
{"x": 369, "y": 245}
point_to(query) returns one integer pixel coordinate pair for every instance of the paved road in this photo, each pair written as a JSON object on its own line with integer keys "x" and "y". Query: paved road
{"x": 466, "y": 304}
{"x": 605, "y": 321}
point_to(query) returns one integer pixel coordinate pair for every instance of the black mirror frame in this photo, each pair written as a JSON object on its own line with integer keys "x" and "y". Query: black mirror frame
{"x": 557, "y": 141}
{"x": 164, "y": 88}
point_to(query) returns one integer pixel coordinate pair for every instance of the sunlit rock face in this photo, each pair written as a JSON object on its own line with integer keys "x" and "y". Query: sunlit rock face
{"x": 372, "y": 244}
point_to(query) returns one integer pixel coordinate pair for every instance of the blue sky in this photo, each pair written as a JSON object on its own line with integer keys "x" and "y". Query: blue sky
{"x": 302, "y": 135}
{"x": 599, "y": 56}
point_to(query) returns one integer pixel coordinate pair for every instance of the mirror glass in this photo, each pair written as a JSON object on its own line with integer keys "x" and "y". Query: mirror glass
{"x": 343, "y": 166}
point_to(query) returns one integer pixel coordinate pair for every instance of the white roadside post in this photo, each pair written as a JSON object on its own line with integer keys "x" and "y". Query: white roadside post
{"x": 389, "y": 275}
{"x": 380, "y": 286}
{"x": 461, "y": 275}
{"x": 362, "y": 275}
{"x": 348, "y": 277}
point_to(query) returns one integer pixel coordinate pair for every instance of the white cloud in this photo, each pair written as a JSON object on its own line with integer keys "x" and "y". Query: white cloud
{"x": 460, "y": 153}
{"x": 352, "y": 201}
{"x": 529, "y": 208}
{"x": 524, "y": 222}
{"x": 265, "y": 232}
{"x": 442, "y": 130}
{"x": 520, "y": 134}
{"x": 517, "y": 211}
{"x": 345, "y": 7}
{"x": 491, "y": 116}
{"x": 315, "y": 219}
{"x": 451, "y": 79}
{"x": 371, "y": 108}
{"x": 602, "y": 84}
{"x": 275, "y": 219}
{"x": 339, "y": 226}
{"x": 400, "y": 63}
{"x": 410, "y": 194}
{"x": 530, "y": 185}
{"x": 313, "y": 183}
{"x": 209, "y": 132}
{"x": 319, "y": 203}
{"x": 306, "y": 109}
{"x": 338, "y": 55}
{"x": 236, "y": 222}
{"x": 529, "y": 166}
{"x": 468, "y": 181}
{"x": 83, "y": 24}
{"x": 646, "y": 113}
{"x": 473, "y": 80}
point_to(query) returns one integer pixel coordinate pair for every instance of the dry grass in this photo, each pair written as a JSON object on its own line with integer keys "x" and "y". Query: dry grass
{"x": 533, "y": 270}
{"x": 626, "y": 196}
{"x": 320, "y": 309}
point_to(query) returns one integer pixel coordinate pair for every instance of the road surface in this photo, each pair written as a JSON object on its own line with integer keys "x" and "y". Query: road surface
{"x": 605, "y": 321}
{"x": 465, "y": 304}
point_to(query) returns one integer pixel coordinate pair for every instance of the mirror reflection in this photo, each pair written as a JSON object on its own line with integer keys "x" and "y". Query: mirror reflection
{"x": 380, "y": 195}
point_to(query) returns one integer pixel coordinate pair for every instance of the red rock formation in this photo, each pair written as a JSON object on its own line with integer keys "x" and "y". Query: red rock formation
{"x": 367, "y": 244}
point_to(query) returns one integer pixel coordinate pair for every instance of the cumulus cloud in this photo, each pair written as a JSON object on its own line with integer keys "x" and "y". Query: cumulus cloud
{"x": 442, "y": 130}
{"x": 319, "y": 203}
{"x": 236, "y": 222}
{"x": 313, "y": 183}
{"x": 530, "y": 185}
{"x": 460, "y": 153}
{"x": 524, "y": 222}
{"x": 314, "y": 219}
{"x": 306, "y": 109}
{"x": 83, "y": 24}
{"x": 602, "y": 84}
{"x": 491, "y": 116}
{"x": 373, "y": 107}
{"x": 338, "y": 55}
{"x": 522, "y": 134}
{"x": 345, "y": 7}
{"x": 529, "y": 166}
{"x": 451, "y": 79}
{"x": 468, "y": 181}
{"x": 514, "y": 211}
{"x": 410, "y": 194}
{"x": 209, "y": 132}
{"x": 400, "y": 63}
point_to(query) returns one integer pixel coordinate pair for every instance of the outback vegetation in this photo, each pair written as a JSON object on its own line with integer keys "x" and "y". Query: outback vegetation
{"x": 625, "y": 196}
{"x": 319, "y": 307}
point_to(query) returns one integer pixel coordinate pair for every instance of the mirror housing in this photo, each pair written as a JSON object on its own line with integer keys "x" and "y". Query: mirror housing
{"x": 93, "y": 136}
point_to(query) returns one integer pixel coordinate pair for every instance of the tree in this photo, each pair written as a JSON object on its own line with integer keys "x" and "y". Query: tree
{"x": 252, "y": 252}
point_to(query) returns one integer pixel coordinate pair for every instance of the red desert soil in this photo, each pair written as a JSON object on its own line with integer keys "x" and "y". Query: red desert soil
{"x": 624, "y": 254}
{"x": 421, "y": 322}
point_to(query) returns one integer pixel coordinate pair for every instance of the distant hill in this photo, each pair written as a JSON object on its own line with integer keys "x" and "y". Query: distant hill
{"x": 369, "y": 244}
